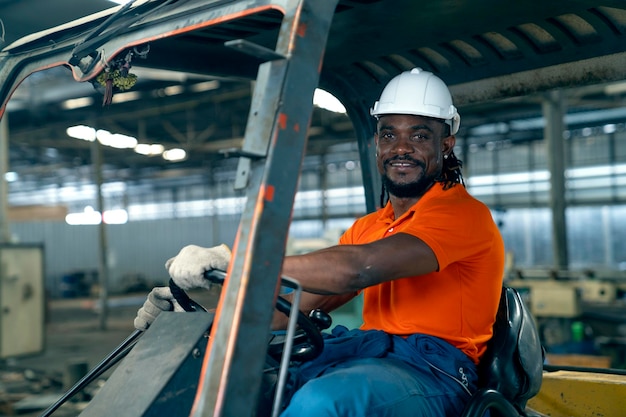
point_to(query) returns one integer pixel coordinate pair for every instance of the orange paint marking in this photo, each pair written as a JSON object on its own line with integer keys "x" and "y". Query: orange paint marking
{"x": 269, "y": 193}
{"x": 282, "y": 121}
{"x": 302, "y": 30}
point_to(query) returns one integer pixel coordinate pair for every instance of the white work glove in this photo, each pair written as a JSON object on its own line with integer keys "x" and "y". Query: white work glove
{"x": 188, "y": 267}
{"x": 159, "y": 299}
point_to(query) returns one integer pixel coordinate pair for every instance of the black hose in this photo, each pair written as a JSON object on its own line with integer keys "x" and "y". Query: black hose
{"x": 119, "y": 352}
{"x": 111, "y": 359}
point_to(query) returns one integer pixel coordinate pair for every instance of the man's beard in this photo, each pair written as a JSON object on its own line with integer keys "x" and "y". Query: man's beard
{"x": 413, "y": 189}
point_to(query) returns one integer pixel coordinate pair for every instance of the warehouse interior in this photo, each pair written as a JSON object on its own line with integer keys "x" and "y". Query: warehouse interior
{"x": 175, "y": 182}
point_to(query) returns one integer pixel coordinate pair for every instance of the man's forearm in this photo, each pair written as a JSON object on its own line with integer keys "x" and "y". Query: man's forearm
{"x": 308, "y": 302}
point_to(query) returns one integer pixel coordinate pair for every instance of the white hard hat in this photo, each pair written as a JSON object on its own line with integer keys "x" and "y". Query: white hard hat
{"x": 420, "y": 93}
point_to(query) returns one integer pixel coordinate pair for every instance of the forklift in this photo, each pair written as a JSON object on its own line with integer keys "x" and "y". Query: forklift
{"x": 216, "y": 363}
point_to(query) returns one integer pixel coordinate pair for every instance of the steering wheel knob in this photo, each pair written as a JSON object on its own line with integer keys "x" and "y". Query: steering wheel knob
{"x": 321, "y": 319}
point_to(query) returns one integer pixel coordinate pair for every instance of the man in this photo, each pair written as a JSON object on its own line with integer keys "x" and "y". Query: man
{"x": 429, "y": 264}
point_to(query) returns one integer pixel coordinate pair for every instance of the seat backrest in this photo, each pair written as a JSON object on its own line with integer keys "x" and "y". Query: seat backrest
{"x": 513, "y": 362}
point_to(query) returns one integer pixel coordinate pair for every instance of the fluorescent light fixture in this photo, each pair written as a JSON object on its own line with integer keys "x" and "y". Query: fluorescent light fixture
{"x": 507, "y": 179}
{"x": 610, "y": 128}
{"x": 325, "y": 100}
{"x": 11, "y": 176}
{"x": 82, "y": 132}
{"x": 88, "y": 216}
{"x": 92, "y": 217}
{"x": 116, "y": 140}
{"x": 204, "y": 86}
{"x": 173, "y": 90}
{"x": 119, "y": 216}
{"x": 120, "y": 1}
{"x": 119, "y": 141}
{"x": 124, "y": 97}
{"x": 149, "y": 149}
{"x": 175, "y": 154}
{"x": 76, "y": 103}
{"x": 614, "y": 89}
{"x": 167, "y": 75}
{"x": 589, "y": 172}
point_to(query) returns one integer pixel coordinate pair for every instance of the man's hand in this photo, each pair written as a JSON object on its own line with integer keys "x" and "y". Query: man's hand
{"x": 188, "y": 267}
{"x": 159, "y": 299}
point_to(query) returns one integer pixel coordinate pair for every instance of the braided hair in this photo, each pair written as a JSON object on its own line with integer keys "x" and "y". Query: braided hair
{"x": 451, "y": 174}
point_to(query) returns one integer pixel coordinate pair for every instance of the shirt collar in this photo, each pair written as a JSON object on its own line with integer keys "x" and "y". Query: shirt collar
{"x": 386, "y": 214}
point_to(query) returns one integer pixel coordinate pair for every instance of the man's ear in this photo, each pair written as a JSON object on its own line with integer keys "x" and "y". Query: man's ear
{"x": 447, "y": 144}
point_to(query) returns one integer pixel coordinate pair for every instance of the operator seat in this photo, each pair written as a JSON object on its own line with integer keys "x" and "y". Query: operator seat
{"x": 511, "y": 371}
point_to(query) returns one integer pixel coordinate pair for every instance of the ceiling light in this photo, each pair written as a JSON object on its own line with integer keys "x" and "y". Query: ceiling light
{"x": 204, "y": 86}
{"x": 173, "y": 90}
{"x": 88, "y": 216}
{"x": 149, "y": 149}
{"x": 614, "y": 89}
{"x": 119, "y": 216}
{"x": 82, "y": 132}
{"x": 174, "y": 155}
{"x": 116, "y": 140}
{"x": 325, "y": 100}
{"x": 11, "y": 176}
{"x": 610, "y": 128}
{"x": 76, "y": 103}
{"x": 91, "y": 216}
{"x": 167, "y": 75}
{"x": 124, "y": 97}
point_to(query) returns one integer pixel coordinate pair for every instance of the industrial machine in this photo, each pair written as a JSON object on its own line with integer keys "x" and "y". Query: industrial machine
{"x": 488, "y": 50}
{"x": 22, "y": 305}
{"x": 580, "y": 314}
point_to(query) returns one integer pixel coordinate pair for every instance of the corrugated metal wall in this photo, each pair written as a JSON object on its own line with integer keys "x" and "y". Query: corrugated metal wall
{"x": 134, "y": 248}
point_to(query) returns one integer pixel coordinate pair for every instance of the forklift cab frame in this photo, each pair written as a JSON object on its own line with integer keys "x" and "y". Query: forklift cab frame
{"x": 286, "y": 72}
{"x": 289, "y": 48}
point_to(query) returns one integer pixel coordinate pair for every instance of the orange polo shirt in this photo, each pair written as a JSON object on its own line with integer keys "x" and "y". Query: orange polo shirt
{"x": 459, "y": 302}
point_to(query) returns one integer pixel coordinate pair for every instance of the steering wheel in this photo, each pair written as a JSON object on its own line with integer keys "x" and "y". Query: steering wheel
{"x": 308, "y": 342}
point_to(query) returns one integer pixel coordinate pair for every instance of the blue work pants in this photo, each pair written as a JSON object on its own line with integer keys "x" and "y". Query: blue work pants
{"x": 386, "y": 376}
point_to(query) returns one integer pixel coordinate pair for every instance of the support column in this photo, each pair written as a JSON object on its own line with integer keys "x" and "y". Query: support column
{"x": 324, "y": 188}
{"x": 553, "y": 112}
{"x": 103, "y": 268}
{"x": 5, "y": 233}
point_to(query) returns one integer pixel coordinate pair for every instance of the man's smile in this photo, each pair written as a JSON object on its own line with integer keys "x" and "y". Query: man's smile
{"x": 403, "y": 163}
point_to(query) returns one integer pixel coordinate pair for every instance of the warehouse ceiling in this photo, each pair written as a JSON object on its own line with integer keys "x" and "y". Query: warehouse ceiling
{"x": 498, "y": 57}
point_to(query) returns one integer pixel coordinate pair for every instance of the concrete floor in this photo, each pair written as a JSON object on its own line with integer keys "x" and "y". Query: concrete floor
{"x": 74, "y": 345}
